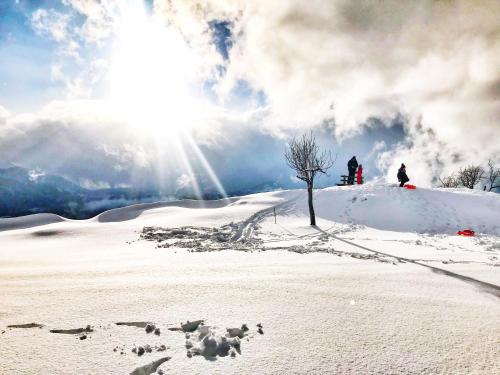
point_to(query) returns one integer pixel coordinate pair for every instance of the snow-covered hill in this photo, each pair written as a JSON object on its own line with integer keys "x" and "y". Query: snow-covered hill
{"x": 379, "y": 206}
{"x": 382, "y": 285}
{"x": 388, "y": 207}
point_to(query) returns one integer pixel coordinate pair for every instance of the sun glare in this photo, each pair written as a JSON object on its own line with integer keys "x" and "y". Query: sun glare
{"x": 151, "y": 78}
{"x": 151, "y": 73}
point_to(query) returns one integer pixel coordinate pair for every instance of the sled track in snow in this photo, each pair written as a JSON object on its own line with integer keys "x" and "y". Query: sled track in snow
{"x": 247, "y": 227}
{"x": 235, "y": 236}
{"x": 484, "y": 286}
{"x": 243, "y": 231}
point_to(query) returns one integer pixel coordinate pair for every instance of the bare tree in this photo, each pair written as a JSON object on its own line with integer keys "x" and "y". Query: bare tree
{"x": 470, "y": 176}
{"x": 303, "y": 155}
{"x": 492, "y": 176}
{"x": 449, "y": 182}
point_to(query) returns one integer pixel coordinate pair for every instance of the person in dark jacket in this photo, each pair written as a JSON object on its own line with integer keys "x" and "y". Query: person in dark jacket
{"x": 352, "y": 165}
{"x": 402, "y": 176}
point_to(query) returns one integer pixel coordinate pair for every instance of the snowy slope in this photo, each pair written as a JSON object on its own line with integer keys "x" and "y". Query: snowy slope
{"x": 388, "y": 207}
{"x": 28, "y": 221}
{"x": 381, "y": 285}
{"x": 380, "y": 206}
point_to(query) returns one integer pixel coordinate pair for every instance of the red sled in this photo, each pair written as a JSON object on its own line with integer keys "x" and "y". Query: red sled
{"x": 466, "y": 233}
{"x": 410, "y": 187}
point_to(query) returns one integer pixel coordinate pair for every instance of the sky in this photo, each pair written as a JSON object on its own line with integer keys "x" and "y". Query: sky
{"x": 200, "y": 95}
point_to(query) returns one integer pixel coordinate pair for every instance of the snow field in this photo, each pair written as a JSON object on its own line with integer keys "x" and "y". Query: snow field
{"x": 327, "y": 304}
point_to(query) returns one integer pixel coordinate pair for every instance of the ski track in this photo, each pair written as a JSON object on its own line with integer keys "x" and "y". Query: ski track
{"x": 247, "y": 227}
{"x": 487, "y": 287}
{"x": 427, "y": 209}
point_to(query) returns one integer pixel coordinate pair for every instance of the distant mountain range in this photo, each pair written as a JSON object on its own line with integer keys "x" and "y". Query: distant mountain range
{"x": 25, "y": 192}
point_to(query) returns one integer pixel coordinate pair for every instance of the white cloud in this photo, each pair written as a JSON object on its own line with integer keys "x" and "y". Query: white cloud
{"x": 86, "y": 141}
{"x": 378, "y": 147}
{"x": 436, "y": 62}
{"x": 4, "y": 114}
{"x": 93, "y": 185}
{"x": 51, "y": 23}
{"x": 99, "y": 19}
{"x": 86, "y": 25}
{"x": 184, "y": 181}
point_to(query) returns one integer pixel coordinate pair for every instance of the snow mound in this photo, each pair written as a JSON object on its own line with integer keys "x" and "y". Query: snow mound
{"x": 29, "y": 221}
{"x": 134, "y": 211}
{"x": 388, "y": 207}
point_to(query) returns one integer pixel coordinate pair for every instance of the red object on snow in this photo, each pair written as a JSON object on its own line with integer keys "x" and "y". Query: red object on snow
{"x": 359, "y": 175}
{"x": 466, "y": 233}
{"x": 410, "y": 187}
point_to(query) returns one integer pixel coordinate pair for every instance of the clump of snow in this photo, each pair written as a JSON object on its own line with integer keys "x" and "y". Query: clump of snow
{"x": 210, "y": 343}
{"x": 142, "y": 349}
{"x": 198, "y": 239}
{"x": 238, "y": 332}
{"x": 188, "y": 326}
{"x": 120, "y": 349}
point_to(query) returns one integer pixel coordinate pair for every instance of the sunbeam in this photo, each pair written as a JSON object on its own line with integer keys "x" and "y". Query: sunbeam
{"x": 188, "y": 168}
{"x": 151, "y": 78}
{"x": 206, "y": 165}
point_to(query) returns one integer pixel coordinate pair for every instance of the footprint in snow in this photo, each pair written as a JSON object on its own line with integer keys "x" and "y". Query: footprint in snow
{"x": 134, "y": 324}
{"x": 27, "y": 325}
{"x": 73, "y": 331}
{"x": 151, "y": 367}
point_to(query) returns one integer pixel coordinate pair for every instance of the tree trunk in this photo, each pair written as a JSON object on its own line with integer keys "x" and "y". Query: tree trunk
{"x": 310, "y": 201}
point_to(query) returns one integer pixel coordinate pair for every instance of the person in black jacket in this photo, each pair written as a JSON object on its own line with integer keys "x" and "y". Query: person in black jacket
{"x": 352, "y": 165}
{"x": 402, "y": 176}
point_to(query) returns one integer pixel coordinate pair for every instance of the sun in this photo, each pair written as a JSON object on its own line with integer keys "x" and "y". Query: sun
{"x": 151, "y": 75}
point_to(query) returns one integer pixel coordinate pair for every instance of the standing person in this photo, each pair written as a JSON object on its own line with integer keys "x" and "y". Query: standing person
{"x": 352, "y": 165}
{"x": 402, "y": 176}
{"x": 359, "y": 175}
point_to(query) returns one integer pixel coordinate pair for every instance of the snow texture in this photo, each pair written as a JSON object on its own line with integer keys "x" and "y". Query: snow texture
{"x": 381, "y": 285}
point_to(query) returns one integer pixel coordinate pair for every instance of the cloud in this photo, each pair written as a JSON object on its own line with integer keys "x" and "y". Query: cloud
{"x": 82, "y": 27}
{"x": 4, "y": 114}
{"x": 99, "y": 19}
{"x": 51, "y": 23}
{"x": 77, "y": 140}
{"x": 85, "y": 142}
{"x": 183, "y": 181}
{"x": 429, "y": 66}
{"x": 435, "y": 62}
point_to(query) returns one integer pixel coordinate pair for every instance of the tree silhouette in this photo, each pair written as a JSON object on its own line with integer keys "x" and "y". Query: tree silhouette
{"x": 470, "y": 176}
{"x": 492, "y": 176}
{"x": 304, "y": 156}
